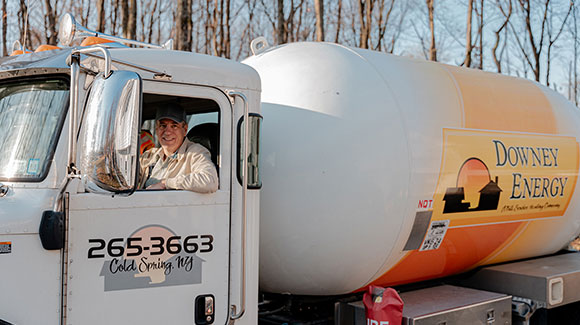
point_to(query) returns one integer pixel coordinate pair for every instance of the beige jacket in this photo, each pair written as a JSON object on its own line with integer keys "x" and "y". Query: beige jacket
{"x": 190, "y": 168}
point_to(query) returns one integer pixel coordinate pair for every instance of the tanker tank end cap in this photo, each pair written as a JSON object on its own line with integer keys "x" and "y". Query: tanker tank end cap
{"x": 259, "y": 45}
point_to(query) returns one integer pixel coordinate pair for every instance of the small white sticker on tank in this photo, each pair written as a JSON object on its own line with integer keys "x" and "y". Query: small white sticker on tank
{"x": 435, "y": 235}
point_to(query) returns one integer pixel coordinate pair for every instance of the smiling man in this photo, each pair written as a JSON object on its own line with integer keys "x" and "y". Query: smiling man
{"x": 179, "y": 163}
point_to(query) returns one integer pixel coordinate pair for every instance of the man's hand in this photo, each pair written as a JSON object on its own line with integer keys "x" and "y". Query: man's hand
{"x": 157, "y": 186}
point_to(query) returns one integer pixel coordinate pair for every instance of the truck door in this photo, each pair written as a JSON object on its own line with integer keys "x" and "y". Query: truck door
{"x": 155, "y": 256}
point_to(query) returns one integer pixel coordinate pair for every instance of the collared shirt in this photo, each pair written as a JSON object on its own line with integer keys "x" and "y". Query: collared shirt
{"x": 189, "y": 168}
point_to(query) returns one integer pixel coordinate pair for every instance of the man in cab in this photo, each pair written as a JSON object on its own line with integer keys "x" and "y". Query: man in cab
{"x": 179, "y": 163}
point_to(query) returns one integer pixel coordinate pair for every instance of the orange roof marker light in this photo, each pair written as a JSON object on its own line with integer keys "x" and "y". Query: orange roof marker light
{"x": 46, "y": 47}
{"x": 18, "y": 52}
{"x": 18, "y": 49}
{"x": 93, "y": 40}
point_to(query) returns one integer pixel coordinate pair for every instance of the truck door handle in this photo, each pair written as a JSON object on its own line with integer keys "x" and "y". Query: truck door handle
{"x": 204, "y": 309}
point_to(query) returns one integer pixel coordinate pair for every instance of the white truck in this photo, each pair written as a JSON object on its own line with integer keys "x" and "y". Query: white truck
{"x": 377, "y": 170}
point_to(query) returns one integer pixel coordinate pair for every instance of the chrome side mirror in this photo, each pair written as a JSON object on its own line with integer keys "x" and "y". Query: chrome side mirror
{"x": 109, "y": 134}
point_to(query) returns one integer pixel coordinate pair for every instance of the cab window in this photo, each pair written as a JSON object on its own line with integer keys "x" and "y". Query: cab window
{"x": 203, "y": 119}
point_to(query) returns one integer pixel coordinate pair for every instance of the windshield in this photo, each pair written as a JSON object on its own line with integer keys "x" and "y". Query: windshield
{"x": 31, "y": 115}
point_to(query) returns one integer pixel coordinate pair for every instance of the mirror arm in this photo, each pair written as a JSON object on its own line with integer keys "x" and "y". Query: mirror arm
{"x": 106, "y": 56}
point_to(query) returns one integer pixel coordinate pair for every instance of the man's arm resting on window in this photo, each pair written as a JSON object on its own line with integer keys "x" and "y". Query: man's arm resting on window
{"x": 202, "y": 177}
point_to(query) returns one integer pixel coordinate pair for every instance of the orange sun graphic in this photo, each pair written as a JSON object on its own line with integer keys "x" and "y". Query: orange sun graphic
{"x": 473, "y": 176}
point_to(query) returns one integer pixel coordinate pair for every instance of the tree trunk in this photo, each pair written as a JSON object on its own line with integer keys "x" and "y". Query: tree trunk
{"x": 338, "y": 21}
{"x": 281, "y": 33}
{"x": 536, "y": 49}
{"x": 227, "y": 44}
{"x": 183, "y": 26}
{"x": 115, "y": 11}
{"x": 22, "y": 13}
{"x": 132, "y": 25}
{"x": 365, "y": 16}
{"x": 468, "y": 44}
{"x": 190, "y": 25}
{"x": 179, "y": 25}
{"x": 498, "y": 33}
{"x": 151, "y": 22}
{"x": 552, "y": 40}
{"x": 4, "y": 27}
{"x": 51, "y": 27}
{"x": 575, "y": 40}
{"x": 100, "y": 15}
{"x": 384, "y": 19}
{"x": 87, "y": 11}
{"x": 480, "y": 34}
{"x": 319, "y": 8}
{"x": 433, "y": 47}
{"x": 125, "y": 18}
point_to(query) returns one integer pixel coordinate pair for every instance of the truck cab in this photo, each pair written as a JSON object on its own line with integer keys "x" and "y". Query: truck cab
{"x": 80, "y": 243}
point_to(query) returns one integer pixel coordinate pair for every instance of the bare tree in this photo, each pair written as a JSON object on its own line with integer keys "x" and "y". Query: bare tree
{"x": 125, "y": 17}
{"x": 50, "y": 22}
{"x": 287, "y": 28}
{"x": 115, "y": 14}
{"x": 553, "y": 37}
{"x": 479, "y": 9}
{"x": 535, "y": 39}
{"x": 226, "y": 29}
{"x": 100, "y": 15}
{"x": 397, "y": 27}
{"x": 575, "y": 61}
{"x": 151, "y": 22}
{"x": 4, "y": 27}
{"x": 82, "y": 11}
{"x": 247, "y": 34}
{"x": 468, "y": 43}
{"x": 22, "y": 24}
{"x": 506, "y": 14}
{"x": 218, "y": 29}
{"x": 183, "y": 26}
{"x": 338, "y": 21}
{"x": 432, "y": 47}
{"x": 383, "y": 21}
{"x": 319, "y": 8}
{"x": 365, "y": 19}
{"x": 132, "y": 22}
{"x": 281, "y": 26}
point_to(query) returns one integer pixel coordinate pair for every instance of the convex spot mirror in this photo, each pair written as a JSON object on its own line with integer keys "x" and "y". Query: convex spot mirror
{"x": 109, "y": 134}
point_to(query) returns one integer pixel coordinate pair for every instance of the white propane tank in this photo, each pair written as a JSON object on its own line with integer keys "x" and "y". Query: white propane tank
{"x": 388, "y": 170}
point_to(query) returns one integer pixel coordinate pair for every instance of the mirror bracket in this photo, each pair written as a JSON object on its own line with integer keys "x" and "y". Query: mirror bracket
{"x": 106, "y": 57}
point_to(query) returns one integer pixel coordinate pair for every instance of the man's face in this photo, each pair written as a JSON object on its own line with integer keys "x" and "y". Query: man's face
{"x": 170, "y": 134}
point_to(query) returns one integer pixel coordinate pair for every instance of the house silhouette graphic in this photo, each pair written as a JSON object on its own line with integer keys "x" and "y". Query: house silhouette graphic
{"x": 488, "y": 198}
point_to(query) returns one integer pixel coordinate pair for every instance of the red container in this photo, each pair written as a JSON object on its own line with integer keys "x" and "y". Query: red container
{"x": 383, "y": 306}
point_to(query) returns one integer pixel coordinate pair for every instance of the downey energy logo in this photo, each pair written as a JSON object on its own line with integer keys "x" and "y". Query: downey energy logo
{"x": 536, "y": 157}
{"x": 490, "y": 177}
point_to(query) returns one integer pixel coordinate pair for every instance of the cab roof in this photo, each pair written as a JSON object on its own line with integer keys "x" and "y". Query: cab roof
{"x": 185, "y": 67}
